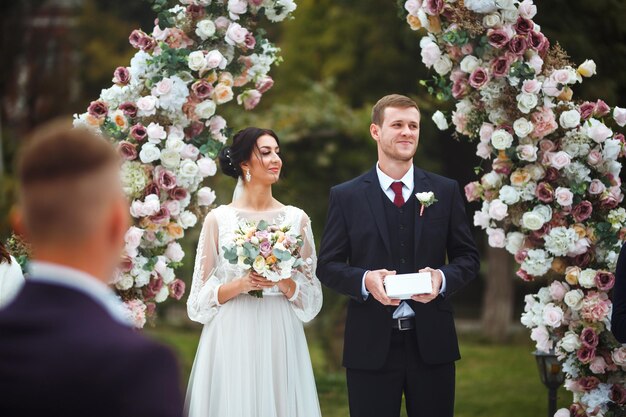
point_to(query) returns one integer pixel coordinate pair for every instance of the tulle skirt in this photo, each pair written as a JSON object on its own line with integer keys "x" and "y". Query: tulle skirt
{"x": 253, "y": 361}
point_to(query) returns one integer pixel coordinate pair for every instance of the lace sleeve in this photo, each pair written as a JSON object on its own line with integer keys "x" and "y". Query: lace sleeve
{"x": 202, "y": 304}
{"x": 307, "y": 299}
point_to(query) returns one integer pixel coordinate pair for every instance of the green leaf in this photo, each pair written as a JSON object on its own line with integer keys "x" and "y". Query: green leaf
{"x": 263, "y": 225}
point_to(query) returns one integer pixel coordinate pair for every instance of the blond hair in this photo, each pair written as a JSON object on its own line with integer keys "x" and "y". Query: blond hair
{"x": 391, "y": 100}
{"x": 67, "y": 178}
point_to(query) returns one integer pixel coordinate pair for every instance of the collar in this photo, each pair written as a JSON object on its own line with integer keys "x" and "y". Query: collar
{"x": 386, "y": 181}
{"x": 81, "y": 281}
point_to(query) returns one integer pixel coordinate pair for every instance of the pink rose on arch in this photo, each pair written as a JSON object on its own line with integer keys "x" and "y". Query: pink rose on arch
{"x": 467, "y": 49}
{"x": 189, "y": 151}
{"x": 160, "y": 217}
{"x": 129, "y": 109}
{"x": 460, "y": 88}
{"x": 544, "y": 123}
{"x": 479, "y": 78}
{"x": 250, "y": 99}
{"x": 599, "y": 132}
{"x": 551, "y": 88}
{"x": 598, "y": 365}
{"x": 521, "y": 255}
{"x": 618, "y": 394}
{"x": 619, "y": 356}
{"x": 473, "y": 191}
{"x": 564, "y": 196}
{"x": 264, "y": 84}
{"x": 527, "y": 9}
{"x": 552, "y": 315}
{"x": 558, "y": 290}
{"x": 486, "y": 130}
{"x": 497, "y": 238}
{"x": 594, "y": 158}
{"x": 560, "y": 159}
{"x": 173, "y": 206}
{"x": 604, "y": 280}
{"x": 608, "y": 202}
{"x": 202, "y": 89}
{"x": 430, "y": 54}
{"x": 175, "y": 252}
{"x": 178, "y": 193}
{"x": 601, "y": 109}
{"x": 619, "y": 115}
{"x": 500, "y": 66}
{"x": 531, "y": 86}
{"x": 165, "y": 179}
{"x": 178, "y": 39}
{"x": 98, "y": 109}
{"x": 596, "y": 306}
{"x": 546, "y": 145}
{"x": 588, "y": 383}
{"x": 536, "y": 63}
{"x": 580, "y": 247}
{"x": 596, "y": 187}
{"x": 541, "y": 336}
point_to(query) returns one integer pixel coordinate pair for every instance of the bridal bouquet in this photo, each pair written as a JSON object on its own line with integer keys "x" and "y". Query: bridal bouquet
{"x": 269, "y": 250}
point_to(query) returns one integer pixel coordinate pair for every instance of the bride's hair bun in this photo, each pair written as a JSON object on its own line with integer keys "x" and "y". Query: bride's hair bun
{"x": 244, "y": 142}
{"x": 226, "y": 163}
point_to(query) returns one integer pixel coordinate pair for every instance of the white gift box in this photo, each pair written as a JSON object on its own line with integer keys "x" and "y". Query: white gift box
{"x": 403, "y": 286}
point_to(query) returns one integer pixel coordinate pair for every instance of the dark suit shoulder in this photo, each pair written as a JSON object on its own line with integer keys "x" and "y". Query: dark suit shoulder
{"x": 449, "y": 182}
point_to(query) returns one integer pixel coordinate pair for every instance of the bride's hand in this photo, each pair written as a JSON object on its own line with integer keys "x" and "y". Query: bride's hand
{"x": 254, "y": 282}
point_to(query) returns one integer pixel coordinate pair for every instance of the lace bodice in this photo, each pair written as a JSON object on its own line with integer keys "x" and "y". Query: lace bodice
{"x": 211, "y": 269}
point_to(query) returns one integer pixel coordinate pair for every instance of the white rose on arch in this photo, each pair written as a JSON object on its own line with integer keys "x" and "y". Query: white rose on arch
{"x": 440, "y": 120}
{"x": 501, "y": 139}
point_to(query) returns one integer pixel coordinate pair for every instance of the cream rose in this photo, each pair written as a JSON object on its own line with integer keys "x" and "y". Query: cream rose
{"x": 522, "y": 127}
{"x": 196, "y": 61}
{"x": 205, "y": 109}
{"x": 205, "y": 29}
{"x": 587, "y": 278}
{"x": 443, "y": 65}
{"x": 574, "y": 299}
{"x": 501, "y": 139}
{"x": 587, "y": 68}
{"x": 469, "y": 64}
{"x": 569, "y": 119}
{"x": 532, "y": 220}
{"x": 526, "y": 102}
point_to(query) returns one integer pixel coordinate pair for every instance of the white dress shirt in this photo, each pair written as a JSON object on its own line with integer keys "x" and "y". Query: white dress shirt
{"x": 81, "y": 281}
{"x": 403, "y": 310}
{"x": 11, "y": 281}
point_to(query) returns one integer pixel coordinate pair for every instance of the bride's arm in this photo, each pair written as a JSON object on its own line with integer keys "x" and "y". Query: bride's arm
{"x": 303, "y": 289}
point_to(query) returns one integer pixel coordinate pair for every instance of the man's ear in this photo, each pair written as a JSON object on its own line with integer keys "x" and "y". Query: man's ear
{"x": 375, "y": 131}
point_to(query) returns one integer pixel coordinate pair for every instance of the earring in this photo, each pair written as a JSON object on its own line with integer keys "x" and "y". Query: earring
{"x": 248, "y": 176}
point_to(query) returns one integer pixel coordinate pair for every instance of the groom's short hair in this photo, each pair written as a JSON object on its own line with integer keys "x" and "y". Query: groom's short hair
{"x": 67, "y": 177}
{"x": 391, "y": 100}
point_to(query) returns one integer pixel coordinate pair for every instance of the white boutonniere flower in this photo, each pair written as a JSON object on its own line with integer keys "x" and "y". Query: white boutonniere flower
{"x": 426, "y": 199}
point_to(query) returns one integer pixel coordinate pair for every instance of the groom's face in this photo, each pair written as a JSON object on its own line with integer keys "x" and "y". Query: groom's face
{"x": 399, "y": 134}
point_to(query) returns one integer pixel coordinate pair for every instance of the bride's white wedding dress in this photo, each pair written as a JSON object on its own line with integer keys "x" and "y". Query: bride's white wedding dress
{"x": 252, "y": 358}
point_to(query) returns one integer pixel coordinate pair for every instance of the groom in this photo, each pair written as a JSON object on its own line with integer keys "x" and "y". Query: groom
{"x": 377, "y": 227}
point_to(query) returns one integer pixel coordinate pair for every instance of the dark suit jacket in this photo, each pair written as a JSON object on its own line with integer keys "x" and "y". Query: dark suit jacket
{"x": 618, "y": 320}
{"x": 61, "y": 354}
{"x": 356, "y": 239}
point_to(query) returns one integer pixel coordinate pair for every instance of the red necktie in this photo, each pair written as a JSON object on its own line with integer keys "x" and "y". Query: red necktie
{"x": 397, "y": 189}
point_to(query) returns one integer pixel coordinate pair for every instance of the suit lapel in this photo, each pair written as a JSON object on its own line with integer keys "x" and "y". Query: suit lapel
{"x": 372, "y": 192}
{"x": 421, "y": 185}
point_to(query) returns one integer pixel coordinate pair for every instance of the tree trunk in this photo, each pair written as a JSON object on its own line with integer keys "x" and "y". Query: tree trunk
{"x": 498, "y": 300}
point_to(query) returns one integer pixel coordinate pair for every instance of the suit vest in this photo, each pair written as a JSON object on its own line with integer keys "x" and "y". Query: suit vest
{"x": 401, "y": 225}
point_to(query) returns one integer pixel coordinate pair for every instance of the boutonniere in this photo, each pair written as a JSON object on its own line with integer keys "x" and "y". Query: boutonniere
{"x": 426, "y": 199}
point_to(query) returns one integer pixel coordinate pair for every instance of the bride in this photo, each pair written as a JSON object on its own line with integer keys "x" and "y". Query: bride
{"x": 252, "y": 358}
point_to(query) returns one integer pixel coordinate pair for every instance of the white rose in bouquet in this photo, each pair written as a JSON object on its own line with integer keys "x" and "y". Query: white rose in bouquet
{"x": 443, "y": 65}
{"x": 497, "y": 209}
{"x": 514, "y": 242}
{"x": 508, "y": 195}
{"x": 532, "y": 220}
{"x": 492, "y": 20}
{"x": 574, "y": 299}
{"x": 196, "y": 61}
{"x": 149, "y": 153}
{"x": 570, "y": 342}
{"x": 205, "y": 29}
{"x": 587, "y": 278}
{"x": 205, "y": 109}
{"x": 552, "y": 315}
{"x": 469, "y": 64}
{"x": 611, "y": 149}
{"x": 497, "y": 238}
{"x": 526, "y": 102}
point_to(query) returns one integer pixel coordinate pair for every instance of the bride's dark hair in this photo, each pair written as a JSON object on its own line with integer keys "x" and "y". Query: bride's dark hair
{"x": 244, "y": 143}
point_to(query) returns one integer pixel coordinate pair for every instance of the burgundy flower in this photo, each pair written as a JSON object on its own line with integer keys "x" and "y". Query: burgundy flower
{"x": 98, "y": 109}
{"x": 538, "y": 42}
{"x": 147, "y": 43}
{"x": 127, "y": 150}
{"x": 609, "y": 202}
{"x": 194, "y": 129}
{"x": 195, "y": 11}
{"x": 161, "y": 216}
{"x": 618, "y": 394}
{"x": 164, "y": 178}
{"x": 479, "y": 78}
{"x": 582, "y": 211}
{"x": 500, "y": 66}
{"x": 154, "y": 286}
{"x": 121, "y": 76}
{"x": 583, "y": 260}
{"x": 498, "y": 38}
{"x": 433, "y": 7}
{"x": 521, "y": 255}
{"x": 139, "y": 132}
{"x": 178, "y": 193}
{"x": 135, "y": 38}
{"x": 589, "y": 338}
{"x": 202, "y": 89}
{"x": 518, "y": 45}
{"x": 586, "y": 110}
{"x": 552, "y": 174}
{"x": 605, "y": 280}
{"x": 588, "y": 383}
{"x": 601, "y": 109}
{"x": 523, "y": 26}
{"x": 577, "y": 410}
{"x": 129, "y": 108}
{"x": 177, "y": 289}
{"x": 151, "y": 188}
{"x": 545, "y": 192}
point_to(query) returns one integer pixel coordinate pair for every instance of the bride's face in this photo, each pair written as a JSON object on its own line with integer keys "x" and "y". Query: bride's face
{"x": 265, "y": 163}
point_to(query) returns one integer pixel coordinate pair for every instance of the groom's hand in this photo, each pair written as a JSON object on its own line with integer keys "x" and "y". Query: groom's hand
{"x": 436, "y": 280}
{"x": 374, "y": 285}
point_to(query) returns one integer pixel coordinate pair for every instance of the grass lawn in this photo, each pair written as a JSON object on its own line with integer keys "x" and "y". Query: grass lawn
{"x": 492, "y": 380}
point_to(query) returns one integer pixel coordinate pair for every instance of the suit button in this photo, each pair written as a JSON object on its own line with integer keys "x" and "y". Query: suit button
{"x": 401, "y": 227}
{"x": 402, "y": 261}
{"x": 401, "y": 244}
{"x": 401, "y": 211}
